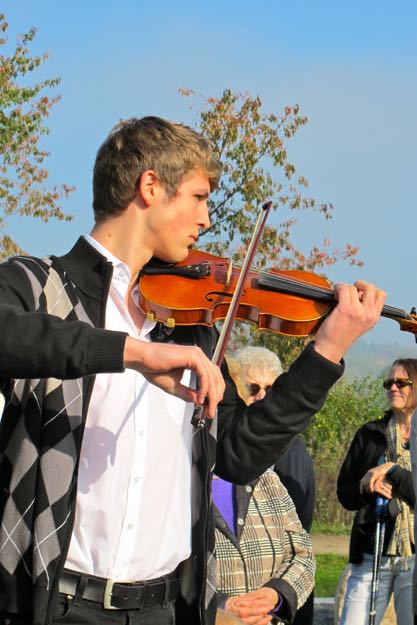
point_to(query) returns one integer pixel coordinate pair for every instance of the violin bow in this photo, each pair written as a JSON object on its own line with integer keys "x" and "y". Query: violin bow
{"x": 200, "y": 415}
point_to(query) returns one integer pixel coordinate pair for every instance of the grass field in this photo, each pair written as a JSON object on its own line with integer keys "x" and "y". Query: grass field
{"x": 329, "y": 568}
{"x": 334, "y": 529}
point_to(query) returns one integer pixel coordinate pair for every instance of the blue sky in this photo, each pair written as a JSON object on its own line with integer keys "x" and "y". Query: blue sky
{"x": 351, "y": 66}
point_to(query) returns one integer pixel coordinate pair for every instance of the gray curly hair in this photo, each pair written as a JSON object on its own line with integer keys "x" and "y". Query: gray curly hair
{"x": 256, "y": 358}
{"x": 252, "y": 359}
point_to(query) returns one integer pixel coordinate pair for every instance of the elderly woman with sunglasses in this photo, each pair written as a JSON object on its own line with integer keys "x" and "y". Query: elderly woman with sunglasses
{"x": 265, "y": 564}
{"x": 378, "y": 464}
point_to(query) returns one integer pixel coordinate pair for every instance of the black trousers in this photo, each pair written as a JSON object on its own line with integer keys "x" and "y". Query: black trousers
{"x": 84, "y": 612}
{"x": 304, "y": 616}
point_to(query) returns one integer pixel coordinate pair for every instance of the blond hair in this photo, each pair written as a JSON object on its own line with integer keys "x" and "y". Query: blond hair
{"x": 137, "y": 145}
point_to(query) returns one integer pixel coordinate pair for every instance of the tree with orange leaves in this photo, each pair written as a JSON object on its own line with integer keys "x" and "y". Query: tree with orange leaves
{"x": 252, "y": 147}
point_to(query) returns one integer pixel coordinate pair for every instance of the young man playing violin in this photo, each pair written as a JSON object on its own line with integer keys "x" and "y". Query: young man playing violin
{"x": 105, "y": 484}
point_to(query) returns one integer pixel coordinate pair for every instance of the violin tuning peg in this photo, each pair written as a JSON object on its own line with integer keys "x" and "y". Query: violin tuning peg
{"x": 413, "y": 311}
{"x": 170, "y": 322}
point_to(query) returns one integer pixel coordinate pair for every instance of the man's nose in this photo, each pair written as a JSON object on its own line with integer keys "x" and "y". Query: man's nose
{"x": 204, "y": 218}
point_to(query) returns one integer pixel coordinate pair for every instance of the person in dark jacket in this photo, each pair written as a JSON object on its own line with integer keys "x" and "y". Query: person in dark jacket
{"x": 104, "y": 484}
{"x": 295, "y": 469}
{"x": 378, "y": 463}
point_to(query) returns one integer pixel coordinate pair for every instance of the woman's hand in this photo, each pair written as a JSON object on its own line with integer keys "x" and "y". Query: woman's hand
{"x": 383, "y": 487}
{"x": 367, "y": 483}
{"x": 253, "y": 607}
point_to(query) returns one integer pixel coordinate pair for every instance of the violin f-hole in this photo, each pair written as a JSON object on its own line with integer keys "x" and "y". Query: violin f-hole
{"x": 212, "y": 296}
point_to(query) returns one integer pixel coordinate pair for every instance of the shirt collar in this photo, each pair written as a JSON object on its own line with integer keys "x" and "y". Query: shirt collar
{"x": 121, "y": 275}
{"x": 116, "y": 262}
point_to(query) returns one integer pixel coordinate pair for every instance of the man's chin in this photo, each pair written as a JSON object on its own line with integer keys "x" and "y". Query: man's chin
{"x": 174, "y": 258}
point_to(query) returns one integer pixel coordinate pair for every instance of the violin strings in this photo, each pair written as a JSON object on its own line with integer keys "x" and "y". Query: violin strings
{"x": 296, "y": 282}
{"x": 312, "y": 289}
{"x": 387, "y": 311}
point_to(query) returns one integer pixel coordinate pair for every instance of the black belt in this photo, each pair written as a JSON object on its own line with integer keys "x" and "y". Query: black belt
{"x": 120, "y": 595}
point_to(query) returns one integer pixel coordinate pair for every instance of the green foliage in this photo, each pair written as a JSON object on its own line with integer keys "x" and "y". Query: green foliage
{"x": 349, "y": 405}
{"x": 332, "y": 529}
{"x": 23, "y": 110}
{"x": 329, "y": 569}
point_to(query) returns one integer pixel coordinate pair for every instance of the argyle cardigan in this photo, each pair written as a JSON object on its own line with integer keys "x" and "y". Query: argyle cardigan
{"x": 41, "y": 434}
{"x": 270, "y": 548}
{"x": 47, "y": 368}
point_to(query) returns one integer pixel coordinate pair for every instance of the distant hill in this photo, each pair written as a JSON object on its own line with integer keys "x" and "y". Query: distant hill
{"x": 369, "y": 358}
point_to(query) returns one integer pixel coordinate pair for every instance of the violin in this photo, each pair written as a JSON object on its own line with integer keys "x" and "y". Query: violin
{"x": 199, "y": 291}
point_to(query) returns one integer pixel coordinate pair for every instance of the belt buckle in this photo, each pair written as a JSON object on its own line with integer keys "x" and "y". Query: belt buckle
{"x": 108, "y": 595}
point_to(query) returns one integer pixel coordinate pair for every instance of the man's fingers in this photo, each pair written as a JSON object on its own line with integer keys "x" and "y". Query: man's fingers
{"x": 164, "y": 365}
{"x": 211, "y": 387}
{"x": 358, "y": 309}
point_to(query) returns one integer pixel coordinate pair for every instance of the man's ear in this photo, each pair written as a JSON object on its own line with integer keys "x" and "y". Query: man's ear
{"x": 149, "y": 186}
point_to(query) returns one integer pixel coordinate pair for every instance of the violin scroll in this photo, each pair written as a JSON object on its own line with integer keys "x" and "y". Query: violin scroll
{"x": 409, "y": 322}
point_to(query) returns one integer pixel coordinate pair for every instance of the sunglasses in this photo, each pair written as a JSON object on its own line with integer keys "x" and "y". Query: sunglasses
{"x": 399, "y": 383}
{"x": 255, "y": 388}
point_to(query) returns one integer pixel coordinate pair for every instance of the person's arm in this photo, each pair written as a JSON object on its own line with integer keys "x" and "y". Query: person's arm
{"x": 293, "y": 579}
{"x": 402, "y": 482}
{"x": 251, "y": 438}
{"x": 354, "y": 467}
{"x": 40, "y": 345}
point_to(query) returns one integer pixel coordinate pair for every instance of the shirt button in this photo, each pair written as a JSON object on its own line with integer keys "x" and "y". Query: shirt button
{"x": 248, "y": 489}
{"x": 137, "y": 479}
{"x": 130, "y": 526}
{"x": 140, "y": 432}
{"x": 240, "y": 521}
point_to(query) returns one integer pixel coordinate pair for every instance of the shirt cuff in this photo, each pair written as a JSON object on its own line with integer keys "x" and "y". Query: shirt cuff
{"x": 278, "y": 605}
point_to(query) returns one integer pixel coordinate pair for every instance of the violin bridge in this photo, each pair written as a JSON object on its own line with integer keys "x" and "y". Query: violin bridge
{"x": 229, "y": 272}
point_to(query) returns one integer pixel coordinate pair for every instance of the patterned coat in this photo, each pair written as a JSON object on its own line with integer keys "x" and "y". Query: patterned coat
{"x": 270, "y": 548}
{"x": 52, "y": 344}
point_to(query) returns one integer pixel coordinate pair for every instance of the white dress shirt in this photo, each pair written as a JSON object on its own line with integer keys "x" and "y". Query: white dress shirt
{"x": 133, "y": 510}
